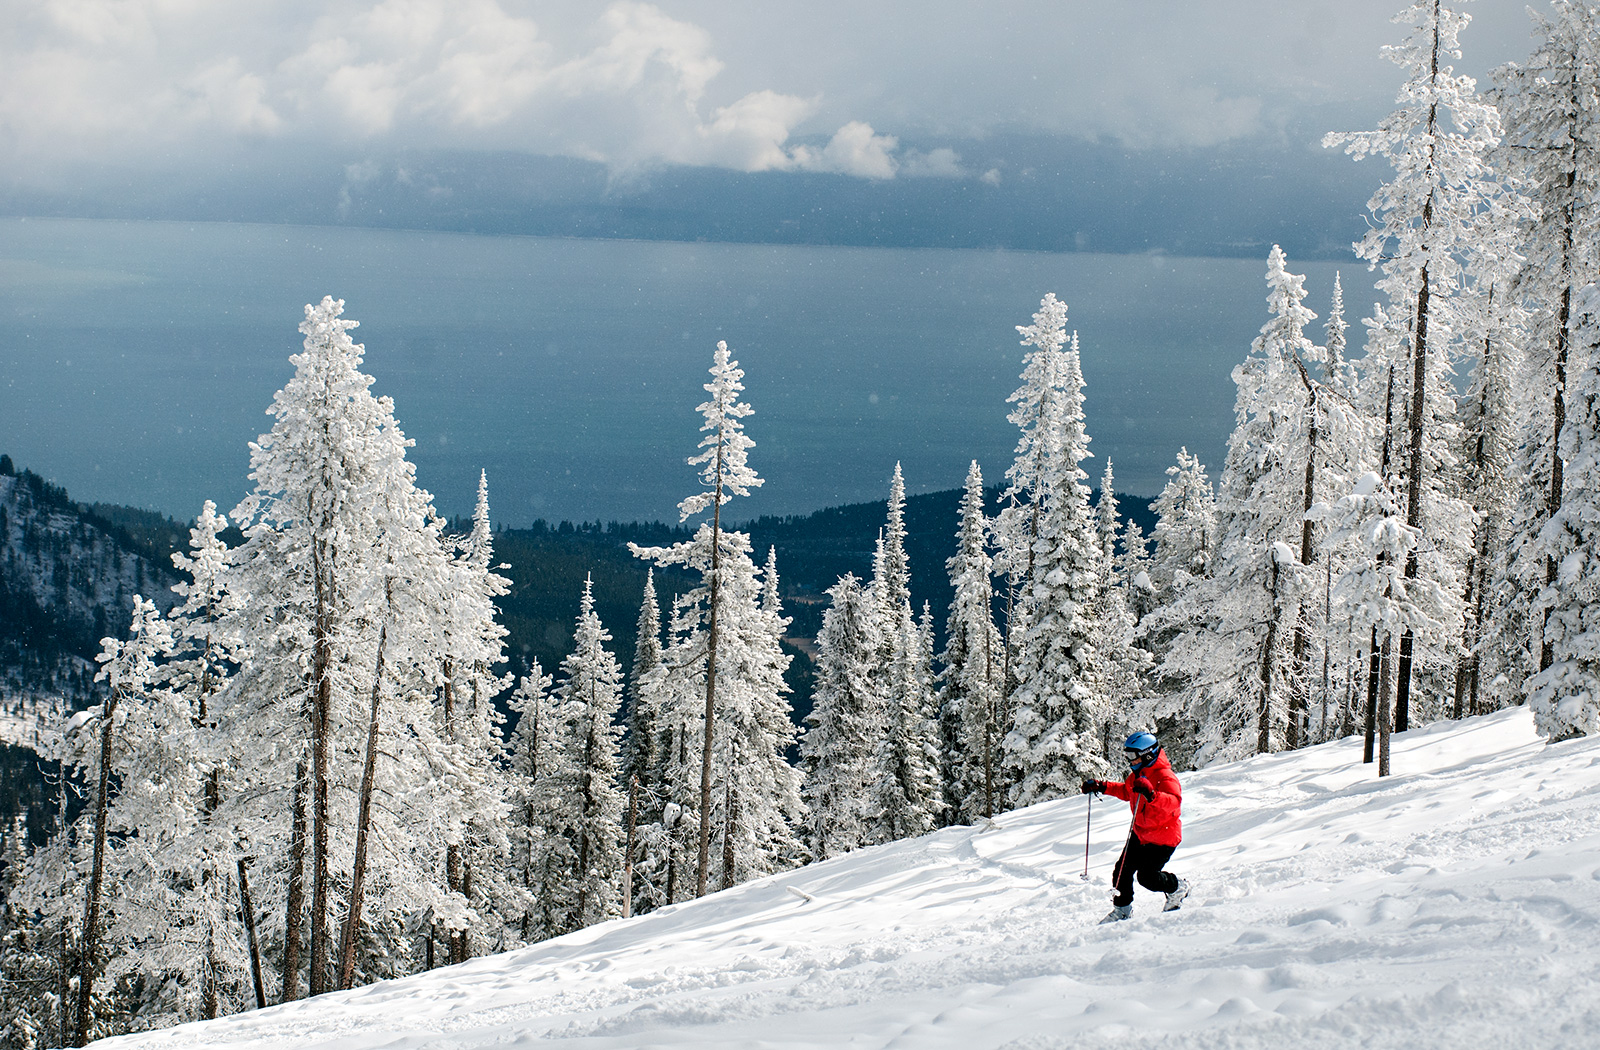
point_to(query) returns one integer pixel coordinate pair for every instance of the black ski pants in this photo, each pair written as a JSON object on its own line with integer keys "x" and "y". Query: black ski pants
{"x": 1143, "y": 860}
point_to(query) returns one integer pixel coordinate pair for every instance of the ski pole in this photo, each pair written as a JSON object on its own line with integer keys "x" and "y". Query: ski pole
{"x": 1088, "y": 811}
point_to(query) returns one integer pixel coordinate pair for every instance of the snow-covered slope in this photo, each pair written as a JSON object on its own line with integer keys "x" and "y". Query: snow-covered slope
{"x": 1454, "y": 904}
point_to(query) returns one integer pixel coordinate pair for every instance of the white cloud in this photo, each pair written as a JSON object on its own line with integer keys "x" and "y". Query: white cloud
{"x": 226, "y": 95}
{"x": 855, "y": 149}
{"x": 941, "y": 163}
{"x": 749, "y": 134}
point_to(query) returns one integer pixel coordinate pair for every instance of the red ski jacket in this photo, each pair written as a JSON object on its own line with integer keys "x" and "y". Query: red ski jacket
{"x": 1155, "y": 821}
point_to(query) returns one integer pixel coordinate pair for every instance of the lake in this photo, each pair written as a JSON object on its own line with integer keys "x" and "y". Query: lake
{"x": 137, "y": 359}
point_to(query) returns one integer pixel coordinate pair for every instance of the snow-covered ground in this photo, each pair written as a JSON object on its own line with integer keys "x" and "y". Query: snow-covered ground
{"x": 1455, "y": 904}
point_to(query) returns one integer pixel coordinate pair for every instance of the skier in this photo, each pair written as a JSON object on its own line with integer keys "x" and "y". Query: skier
{"x": 1153, "y": 791}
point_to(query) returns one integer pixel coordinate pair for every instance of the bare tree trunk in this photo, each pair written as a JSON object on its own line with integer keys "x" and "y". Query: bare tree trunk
{"x": 248, "y": 912}
{"x": 1383, "y": 707}
{"x": 294, "y": 911}
{"x": 89, "y": 949}
{"x": 358, "y": 870}
{"x": 463, "y": 944}
{"x": 1557, "y": 483}
{"x": 627, "y": 856}
{"x": 209, "y": 990}
{"x": 989, "y": 712}
{"x": 1374, "y": 675}
{"x": 1299, "y": 695}
{"x": 729, "y": 823}
{"x": 1469, "y": 634}
{"x": 1264, "y": 727}
{"x": 452, "y": 850}
{"x": 64, "y": 988}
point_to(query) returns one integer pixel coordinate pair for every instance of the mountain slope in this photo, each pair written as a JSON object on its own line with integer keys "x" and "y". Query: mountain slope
{"x": 67, "y": 579}
{"x": 1452, "y": 904}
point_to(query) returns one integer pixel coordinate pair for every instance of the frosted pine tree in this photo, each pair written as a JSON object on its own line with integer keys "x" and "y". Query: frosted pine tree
{"x": 892, "y": 581}
{"x": 903, "y": 798}
{"x": 590, "y": 694}
{"x": 838, "y": 749}
{"x": 764, "y": 825}
{"x": 1235, "y": 654}
{"x": 640, "y": 756}
{"x": 1185, "y": 539}
{"x": 1427, "y": 224}
{"x": 1037, "y": 415}
{"x": 540, "y": 766}
{"x": 1564, "y": 696}
{"x": 119, "y": 751}
{"x": 971, "y": 677}
{"x": 906, "y": 799}
{"x": 348, "y": 602}
{"x": 1058, "y": 719}
{"x": 1493, "y": 328}
{"x": 1551, "y": 109}
{"x": 1185, "y": 535}
{"x": 639, "y": 746}
{"x": 204, "y": 656}
{"x": 30, "y": 986}
{"x": 475, "y": 835}
{"x": 725, "y": 473}
{"x": 671, "y": 846}
{"x": 1122, "y": 664}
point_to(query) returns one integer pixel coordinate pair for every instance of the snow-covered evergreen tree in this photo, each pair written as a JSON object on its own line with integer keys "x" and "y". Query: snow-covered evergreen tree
{"x": 1185, "y": 538}
{"x": 725, "y": 473}
{"x": 476, "y": 841}
{"x": 905, "y": 801}
{"x": 839, "y": 747}
{"x": 590, "y": 695}
{"x": 907, "y": 795}
{"x": 639, "y": 746}
{"x": 545, "y": 849}
{"x": 971, "y": 675}
{"x": 1058, "y": 719}
{"x": 640, "y": 758}
{"x": 1565, "y": 696}
{"x": 1427, "y": 224}
{"x": 1122, "y": 663}
{"x": 1234, "y": 655}
{"x": 1551, "y": 109}
{"x": 1186, "y": 523}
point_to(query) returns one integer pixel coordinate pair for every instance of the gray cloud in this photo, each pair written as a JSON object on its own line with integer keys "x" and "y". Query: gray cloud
{"x": 785, "y": 85}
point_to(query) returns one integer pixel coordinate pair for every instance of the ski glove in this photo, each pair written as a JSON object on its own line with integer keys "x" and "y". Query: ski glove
{"x": 1093, "y": 787}
{"x": 1142, "y": 786}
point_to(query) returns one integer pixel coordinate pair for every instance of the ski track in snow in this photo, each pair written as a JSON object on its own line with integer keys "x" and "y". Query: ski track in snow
{"x": 1454, "y": 904}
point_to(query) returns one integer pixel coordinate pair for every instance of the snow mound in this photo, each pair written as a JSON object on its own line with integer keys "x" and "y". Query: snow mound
{"x": 1452, "y": 904}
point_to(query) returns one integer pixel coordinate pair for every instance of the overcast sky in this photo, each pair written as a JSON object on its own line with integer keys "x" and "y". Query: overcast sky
{"x": 875, "y": 90}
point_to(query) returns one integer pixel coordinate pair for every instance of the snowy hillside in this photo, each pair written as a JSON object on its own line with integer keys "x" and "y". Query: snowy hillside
{"x": 65, "y": 583}
{"x": 1451, "y": 905}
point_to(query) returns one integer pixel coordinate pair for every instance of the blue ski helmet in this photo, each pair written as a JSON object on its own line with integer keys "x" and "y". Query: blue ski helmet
{"x": 1141, "y": 749}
